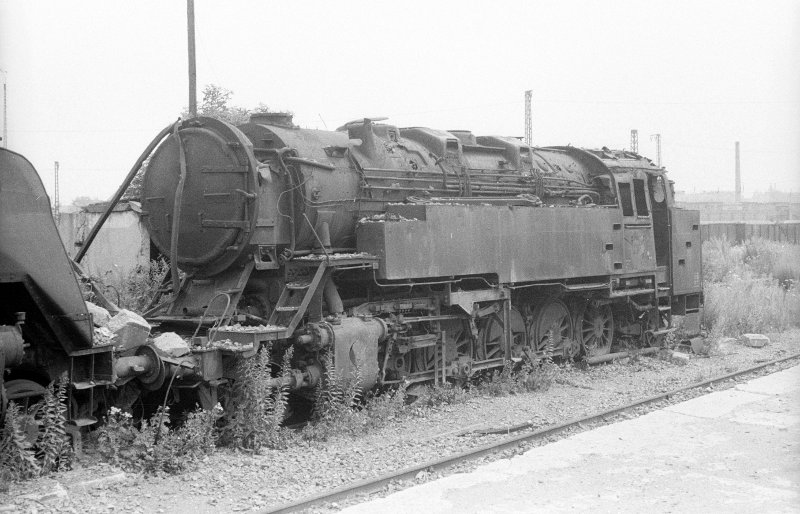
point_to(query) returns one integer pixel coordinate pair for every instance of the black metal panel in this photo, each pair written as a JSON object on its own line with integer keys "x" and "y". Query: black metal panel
{"x": 686, "y": 252}
{"x": 218, "y": 209}
{"x": 517, "y": 243}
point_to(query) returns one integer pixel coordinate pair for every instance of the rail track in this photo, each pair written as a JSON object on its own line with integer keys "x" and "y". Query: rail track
{"x": 375, "y": 484}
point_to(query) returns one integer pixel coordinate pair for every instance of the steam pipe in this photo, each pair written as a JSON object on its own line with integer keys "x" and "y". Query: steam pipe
{"x": 121, "y": 191}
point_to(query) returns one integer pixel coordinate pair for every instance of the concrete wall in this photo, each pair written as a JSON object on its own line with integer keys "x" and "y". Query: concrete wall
{"x": 120, "y": 246}
{"x": 744, "y": 211}
{"x": 785, "y": 232}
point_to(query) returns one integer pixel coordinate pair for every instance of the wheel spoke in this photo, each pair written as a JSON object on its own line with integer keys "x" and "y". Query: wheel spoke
{"x": 597, "y": 329}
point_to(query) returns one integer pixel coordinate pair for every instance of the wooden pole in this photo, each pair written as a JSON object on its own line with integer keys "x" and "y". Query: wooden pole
{"x": 192, "y": 63}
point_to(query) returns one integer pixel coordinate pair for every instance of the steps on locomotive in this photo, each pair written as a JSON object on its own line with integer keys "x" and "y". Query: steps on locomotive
{"x": 88, "y": 369}
{"x": 292, "y": 306}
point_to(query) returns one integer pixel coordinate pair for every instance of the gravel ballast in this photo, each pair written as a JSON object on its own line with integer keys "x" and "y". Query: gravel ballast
{"x": 230, "y": 481}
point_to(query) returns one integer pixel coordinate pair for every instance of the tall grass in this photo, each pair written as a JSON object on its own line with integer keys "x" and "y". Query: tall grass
{"x": 751, "y": 287}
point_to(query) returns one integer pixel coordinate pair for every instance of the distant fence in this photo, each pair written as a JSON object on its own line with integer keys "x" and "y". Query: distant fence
{"x": 784, "y": 231}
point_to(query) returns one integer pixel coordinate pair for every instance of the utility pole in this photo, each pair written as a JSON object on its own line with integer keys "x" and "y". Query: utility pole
{"x": 738, "y": 176}
{"x": 634, "y": 141}
{"x": 528, "y": 118}
{"x": 5, "y": 109}
{"x": 56, "y": 198}
{"x": 192, "y": 64}
{"x": 657, "y": 138}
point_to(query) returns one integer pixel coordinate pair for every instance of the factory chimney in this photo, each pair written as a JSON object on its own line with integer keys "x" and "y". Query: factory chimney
{"x": 738, "y": 176}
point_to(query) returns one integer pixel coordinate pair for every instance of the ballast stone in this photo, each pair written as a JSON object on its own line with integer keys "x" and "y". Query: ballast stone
{"x": 681, "y": 359}
{"x": 130, "y": 329}
{"x": 171, "y": 344}
{"x": 100, "y": 316}
{"x": 754, "y": 340}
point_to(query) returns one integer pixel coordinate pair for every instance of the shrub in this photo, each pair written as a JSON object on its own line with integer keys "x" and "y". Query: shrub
{"x": 338, "y": 407}
{"x": 17, "y": 461}
{"x": 141, "y": 285}
{"x": 385, "y": 407}
{"x": 21, "y": 458}
{"x": 341, "y": 407}
{"x": 258, "y": 406}
{"x": 501, "y": 382}
{"x": 539, "y": 376}
{"x": 152, "y": 446}
{"x": 530, "y": 376}
{"x": 443, "y": 394}
{"x": 750, "y": 287}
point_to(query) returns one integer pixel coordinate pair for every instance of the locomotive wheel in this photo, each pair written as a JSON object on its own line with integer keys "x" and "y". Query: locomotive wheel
{"x": 459, "y": 339}
{"x": 491, "y": 336}
{"x": 656, "y": 321}
{"x": 421, "y": 359}
{"x": 595, "y": 327}
{"x": 552, "y": 319}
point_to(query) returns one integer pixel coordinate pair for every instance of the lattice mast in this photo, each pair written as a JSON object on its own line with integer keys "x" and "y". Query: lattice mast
{"x": 634, "y": 141}
{"x": 528, "y": 118}
{"x": 657, "y": 138}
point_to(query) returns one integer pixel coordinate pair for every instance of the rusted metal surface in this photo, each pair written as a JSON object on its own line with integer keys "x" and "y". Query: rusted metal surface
{"x": 687, "y": 248}
{"x": 518, "y": 245}
{"x": 217, "y": 209}
{"x": 471, "y": 249}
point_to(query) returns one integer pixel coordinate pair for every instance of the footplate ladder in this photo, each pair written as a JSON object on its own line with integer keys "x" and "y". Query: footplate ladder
{"x": 284, "y": 305}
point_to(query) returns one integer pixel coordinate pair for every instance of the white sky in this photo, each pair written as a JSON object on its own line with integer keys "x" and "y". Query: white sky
{"x": 91, "y": 82}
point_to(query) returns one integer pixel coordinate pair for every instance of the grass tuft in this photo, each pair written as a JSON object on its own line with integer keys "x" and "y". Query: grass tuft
{"x": 752, "y": 287}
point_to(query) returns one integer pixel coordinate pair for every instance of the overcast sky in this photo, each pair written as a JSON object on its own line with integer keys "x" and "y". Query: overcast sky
{"x": 90, "y": 83}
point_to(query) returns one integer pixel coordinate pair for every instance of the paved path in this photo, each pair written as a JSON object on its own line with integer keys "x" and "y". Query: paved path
{"x": 736, "y": 450}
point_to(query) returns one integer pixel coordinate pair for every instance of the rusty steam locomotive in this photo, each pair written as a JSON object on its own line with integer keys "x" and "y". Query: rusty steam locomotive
{"x": 412, "y": 254}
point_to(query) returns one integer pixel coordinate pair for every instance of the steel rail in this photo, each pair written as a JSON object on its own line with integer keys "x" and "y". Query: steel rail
{"x": 374, "y": 484}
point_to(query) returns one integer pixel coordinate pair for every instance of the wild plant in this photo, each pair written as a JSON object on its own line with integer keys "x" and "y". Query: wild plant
{"x": 22, "y": 456}
{"x": 750, "y": 287}
{"x": 152, "y": 446}
{"x": 338, "y": 405}
{"x": 444, "y": 394}
{"x": 257, "y": 406}
{"x": 17, "y": 459}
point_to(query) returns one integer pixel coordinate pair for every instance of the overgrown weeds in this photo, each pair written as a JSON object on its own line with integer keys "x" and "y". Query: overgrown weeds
{"x": 516, "y": 379}
{"x": 433, "y": 396}
{"x": 258, "y": 406}
{"x": 751, "y": 287}
{"x": 135, "y": 290}
{"x": 141, "y": 284}
{"x": 152, "y": 446}
{"x": 24, "y": 455}
{"x": 342, "y": 408}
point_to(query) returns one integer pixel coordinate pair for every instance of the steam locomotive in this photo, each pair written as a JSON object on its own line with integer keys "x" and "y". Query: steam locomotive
{"x": 397, "y": 255}
{"x": 412, "y": 254}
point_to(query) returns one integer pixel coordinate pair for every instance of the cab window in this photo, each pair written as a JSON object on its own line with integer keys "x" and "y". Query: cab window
{"x": 641, "y": 197}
